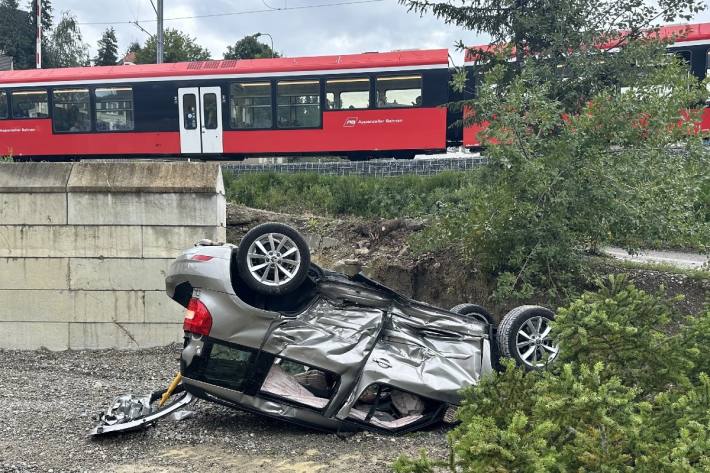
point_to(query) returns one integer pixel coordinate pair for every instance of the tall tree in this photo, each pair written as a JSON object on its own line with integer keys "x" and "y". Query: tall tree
{"x": 67, "y": 48}
{"x": 16, "y": 38}
{"x": 108, "y": 49}
{"x": 545, "y": 31}
{"x": 178, "y": 47}
{"x": 249, "y": 48}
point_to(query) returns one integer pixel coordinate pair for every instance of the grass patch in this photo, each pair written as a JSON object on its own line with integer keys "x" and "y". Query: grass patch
{"x": 362, "y": 196}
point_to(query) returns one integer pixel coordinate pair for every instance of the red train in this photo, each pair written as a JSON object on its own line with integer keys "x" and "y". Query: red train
{"x": 358, "y": 106}
{"x": 693, "y": 46}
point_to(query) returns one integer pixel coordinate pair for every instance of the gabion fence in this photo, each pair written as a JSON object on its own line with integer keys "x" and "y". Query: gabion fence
{"x": 420, "y": 167}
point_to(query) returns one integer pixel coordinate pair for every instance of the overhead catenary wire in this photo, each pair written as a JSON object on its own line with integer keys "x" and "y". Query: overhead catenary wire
{"x": 243, "y": 12}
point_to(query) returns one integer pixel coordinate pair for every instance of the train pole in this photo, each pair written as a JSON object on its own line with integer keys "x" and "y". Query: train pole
{"x": 38, "y": 52}
{"x": 159, "y": 38}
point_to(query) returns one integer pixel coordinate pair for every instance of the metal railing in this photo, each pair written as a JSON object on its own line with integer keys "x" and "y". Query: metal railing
{"x": 419, "y": 167}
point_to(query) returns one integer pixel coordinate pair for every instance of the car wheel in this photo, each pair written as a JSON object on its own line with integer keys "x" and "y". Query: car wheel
{"x": 273, "y": 259}
{"x": 524, "y": 335}
{"x": 474, "y": 310}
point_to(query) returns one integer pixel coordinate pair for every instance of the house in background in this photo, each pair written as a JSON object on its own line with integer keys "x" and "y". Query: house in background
{"x": 5, "y": 63}
{"x": 128, "y": 60}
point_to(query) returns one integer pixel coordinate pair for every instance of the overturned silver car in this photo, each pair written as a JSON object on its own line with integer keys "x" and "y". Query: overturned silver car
{"x": 269, "y": 332}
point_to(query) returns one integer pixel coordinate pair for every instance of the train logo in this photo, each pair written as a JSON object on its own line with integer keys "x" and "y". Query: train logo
{"x": 350, "y": 122}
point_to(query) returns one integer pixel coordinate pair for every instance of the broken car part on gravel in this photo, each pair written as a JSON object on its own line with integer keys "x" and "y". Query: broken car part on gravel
{"x": 269, "y": 332}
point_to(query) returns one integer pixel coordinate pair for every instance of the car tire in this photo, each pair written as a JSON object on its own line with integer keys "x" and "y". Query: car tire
{"x": 474, "y": 310}
{"x": 524, "y": 336}
{"x": 273, "y": 259}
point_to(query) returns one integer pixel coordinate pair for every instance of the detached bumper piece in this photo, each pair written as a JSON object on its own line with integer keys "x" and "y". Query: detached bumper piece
{"x": 129, "y": 412}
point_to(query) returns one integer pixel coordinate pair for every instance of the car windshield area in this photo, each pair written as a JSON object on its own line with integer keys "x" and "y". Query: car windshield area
{"x": 299, "y": 383}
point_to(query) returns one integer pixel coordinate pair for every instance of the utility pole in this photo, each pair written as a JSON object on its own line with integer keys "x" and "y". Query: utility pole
{"x": 38, "y": 50}
{"x": 159, "y": 43}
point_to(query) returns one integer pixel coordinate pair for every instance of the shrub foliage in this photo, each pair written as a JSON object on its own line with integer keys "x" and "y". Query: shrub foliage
{"x": 603, "y": 406}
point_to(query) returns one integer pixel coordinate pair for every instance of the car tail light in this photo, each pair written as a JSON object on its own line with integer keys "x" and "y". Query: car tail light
{"x": 197, "y": 318}
{"x": 201, "y": 258}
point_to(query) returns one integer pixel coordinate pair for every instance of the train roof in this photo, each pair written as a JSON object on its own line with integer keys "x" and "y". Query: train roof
{"x": 687, "y": 35}
{"x": 365, "y": 62}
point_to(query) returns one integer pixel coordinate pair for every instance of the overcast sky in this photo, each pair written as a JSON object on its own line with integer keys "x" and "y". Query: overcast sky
{"x": 377, "y": 25}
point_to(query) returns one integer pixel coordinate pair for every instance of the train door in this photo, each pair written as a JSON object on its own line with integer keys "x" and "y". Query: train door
{"x": 200, "y": 120}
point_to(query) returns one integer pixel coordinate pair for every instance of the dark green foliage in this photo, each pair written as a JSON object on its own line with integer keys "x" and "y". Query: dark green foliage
{"x": 107, "y": 54}
{"x": 62, "y": 45}
{"x": 249, "y": 47}
{"x": 17, "y": 37}
{"x": 600, "y": 408}
{"x": 560, "y": 184}
{"x": 630, "y": 332}
{"x": 406, "y": 196}
{"x": 178, "y": 47}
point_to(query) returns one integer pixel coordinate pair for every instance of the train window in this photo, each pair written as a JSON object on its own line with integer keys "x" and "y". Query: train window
{"x": 345, "y": 94}
{"x": 251, "y": 105}
{"x": 298, "y": 104}
{"x": 3, "y": 105}
{"x": 189, "y": 110}
{"x": 400, "y": 91}
{"x": 210, "y": 111}
{"x": 30, "y": 104}
{"x": 71, "y": 110}
{"x": 114, "y": 109}
{"x": 684, "y": 55}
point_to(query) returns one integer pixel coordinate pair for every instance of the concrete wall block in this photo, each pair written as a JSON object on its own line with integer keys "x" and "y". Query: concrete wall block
{"x": 160, "y": 308}
{"x": 34, "y": 177}
{"x": 109, "y": 306}
{"x": 169, "y": 242}
{"x": 157, "y": 177}
{"x": 36, "y": 305}
{"x": 32, "y": 209}
{"x": 70, "y": 241}
{"x": 88, "y": 208}
{"x": 34, "y": 335}
{"x": 72, "y": 306}
{"x": 34, "y": 273}
{"x": 122, "y": 335}
{"x": 118, "y": 274}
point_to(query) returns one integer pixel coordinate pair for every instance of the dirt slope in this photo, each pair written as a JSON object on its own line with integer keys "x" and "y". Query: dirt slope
{"x": 381, "y": 247}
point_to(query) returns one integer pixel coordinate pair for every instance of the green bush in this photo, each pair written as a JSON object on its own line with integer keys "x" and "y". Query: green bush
{"x": 628, "y": 393}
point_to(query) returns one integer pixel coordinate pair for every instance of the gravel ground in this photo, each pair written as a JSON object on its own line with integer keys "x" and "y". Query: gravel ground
{"x": 48, "y": 401}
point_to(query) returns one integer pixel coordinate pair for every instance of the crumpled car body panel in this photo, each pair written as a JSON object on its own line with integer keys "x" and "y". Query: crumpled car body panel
{"x": 357, "y": 333}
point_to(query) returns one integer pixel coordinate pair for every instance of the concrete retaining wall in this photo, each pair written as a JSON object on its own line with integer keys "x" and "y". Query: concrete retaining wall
{"x": 84, "y": 249}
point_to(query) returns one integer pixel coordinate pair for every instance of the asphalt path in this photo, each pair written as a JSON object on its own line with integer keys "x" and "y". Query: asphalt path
{"x": 678, "y": 259}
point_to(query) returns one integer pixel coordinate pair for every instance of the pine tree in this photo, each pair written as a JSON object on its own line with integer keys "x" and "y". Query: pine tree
{"x": 108, "y": 49}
